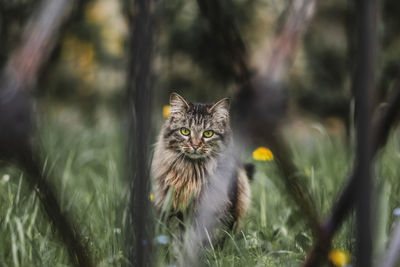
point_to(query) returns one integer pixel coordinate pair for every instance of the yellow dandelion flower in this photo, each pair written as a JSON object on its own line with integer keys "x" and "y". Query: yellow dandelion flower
{"x": 263, "y": 154}
{"x": 151, "y": 196}
{"x": 165, "y": 111}
{"x": 339, "y": 257}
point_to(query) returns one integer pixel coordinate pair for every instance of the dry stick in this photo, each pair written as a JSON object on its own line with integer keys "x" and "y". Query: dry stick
{"x": 139, "y": 97}
{"x": 284, "y": 48}
{"x": 18, "y": 78}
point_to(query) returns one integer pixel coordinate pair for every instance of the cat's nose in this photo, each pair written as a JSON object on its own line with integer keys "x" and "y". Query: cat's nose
{"x": 195, "y": 143}
{"x": 195, "y": 146}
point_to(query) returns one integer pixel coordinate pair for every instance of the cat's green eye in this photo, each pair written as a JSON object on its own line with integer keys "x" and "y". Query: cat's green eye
{"x": 208, "y": 133}
{"x": 185, "y": 131}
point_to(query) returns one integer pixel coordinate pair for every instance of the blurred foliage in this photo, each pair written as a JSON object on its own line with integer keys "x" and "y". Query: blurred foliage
{"x": 327, "y": 90}
{"x": 191, "y": 56}
{"x": 88, "y": 70}
{"x": 85, "y": 163}
{"x": 85, "y": 78}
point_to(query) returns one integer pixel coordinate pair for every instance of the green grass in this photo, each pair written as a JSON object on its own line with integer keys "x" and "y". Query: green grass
{"x": 86, "y": 165}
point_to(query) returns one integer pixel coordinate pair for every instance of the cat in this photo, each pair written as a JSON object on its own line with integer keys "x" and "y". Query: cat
{"x": 190, "y": 151}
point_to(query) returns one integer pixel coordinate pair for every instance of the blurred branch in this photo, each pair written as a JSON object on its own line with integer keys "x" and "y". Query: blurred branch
{"x": 139, "y": 107}
{"x": 39, "y": 38}
{"x": 262, "y": 104}
{"x": 364, "y": 82}
{"x": 252, "y": 118}
{"x": 17, "y": 79}
{"x": 287, "y": 41}
{"x": 358, "y": 190}
{"x": 79, "y": 253}
{"x": 259, "y": 102}
{"x": 384, "y": 121}
{"x": 223, "y": 25}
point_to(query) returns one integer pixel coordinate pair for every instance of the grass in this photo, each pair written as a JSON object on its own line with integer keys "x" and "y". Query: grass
{"x": 85, "y": 164}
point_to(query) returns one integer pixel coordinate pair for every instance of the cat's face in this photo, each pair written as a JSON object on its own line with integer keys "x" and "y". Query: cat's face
{"x": 197, "y": 130}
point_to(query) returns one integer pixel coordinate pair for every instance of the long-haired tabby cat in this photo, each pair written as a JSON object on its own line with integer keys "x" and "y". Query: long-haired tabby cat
{"x": 190, "y": 152}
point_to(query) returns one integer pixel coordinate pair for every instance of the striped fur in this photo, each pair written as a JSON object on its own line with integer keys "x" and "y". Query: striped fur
{"x": 178, "y": 167}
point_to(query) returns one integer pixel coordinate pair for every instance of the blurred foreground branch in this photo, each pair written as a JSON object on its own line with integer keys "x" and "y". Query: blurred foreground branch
{"x": 252, "y": 108}
{"x": 261, "y": 105}
{"x": 18, "y": 78}
{"x": 369, "y": 141}
{"x": 287, "y": 41}
{"x": 384, "y": 120}
{"x": 222, "y": 23}
{"x": 364, "y": 82}
{"x": 260, "y": 101}
{"x": 139, "y": 113}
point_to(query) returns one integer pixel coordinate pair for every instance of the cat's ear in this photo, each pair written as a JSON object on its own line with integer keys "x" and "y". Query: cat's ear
{"x": 177, "y": 103}
{"x": 221, "y": 108}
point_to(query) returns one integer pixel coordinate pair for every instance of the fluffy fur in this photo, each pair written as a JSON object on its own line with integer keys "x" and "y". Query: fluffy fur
{"x": 183, "y": 164}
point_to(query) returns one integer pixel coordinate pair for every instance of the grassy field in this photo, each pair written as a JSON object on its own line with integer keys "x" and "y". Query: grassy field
{"x": 85, "y": 164}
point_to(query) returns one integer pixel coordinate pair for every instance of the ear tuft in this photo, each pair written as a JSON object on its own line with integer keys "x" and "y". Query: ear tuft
{"x": 222, "y": 104}
{"x": 221, "y": 108}
{"x": 178, "y": 104}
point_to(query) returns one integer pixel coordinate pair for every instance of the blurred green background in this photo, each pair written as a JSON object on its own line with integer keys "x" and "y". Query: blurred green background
{"x": 85, "y": 81}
